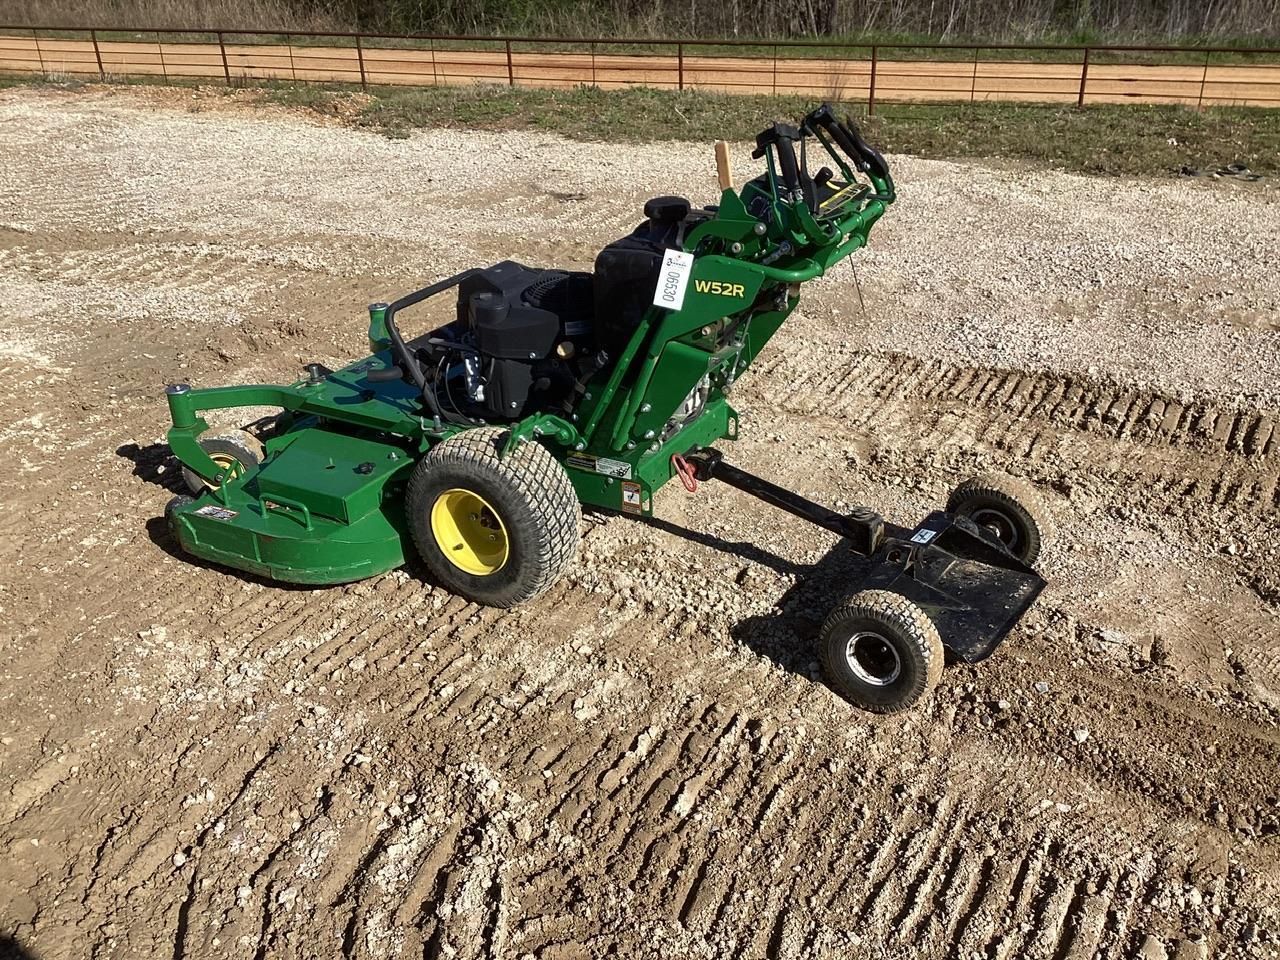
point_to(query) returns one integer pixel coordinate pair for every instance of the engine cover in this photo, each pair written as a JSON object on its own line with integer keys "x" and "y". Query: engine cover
{"x": 517, "y": 339}
{"x": 492, "y": 305}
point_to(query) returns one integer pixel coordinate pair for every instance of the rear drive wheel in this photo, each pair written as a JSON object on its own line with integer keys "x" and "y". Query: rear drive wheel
{"x": 880, "y": 651}
{"x": 1008, "y": 508}
{"x": 226, "y": 450}
{"x": 498, "y": 531}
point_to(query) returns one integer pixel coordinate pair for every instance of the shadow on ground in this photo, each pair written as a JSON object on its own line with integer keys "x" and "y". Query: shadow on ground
{"x": 11, "y": 949}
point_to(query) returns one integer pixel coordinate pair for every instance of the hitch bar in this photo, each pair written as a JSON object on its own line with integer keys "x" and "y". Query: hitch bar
{"x": 862, "y": 527}
{"x": 972, "y": 588}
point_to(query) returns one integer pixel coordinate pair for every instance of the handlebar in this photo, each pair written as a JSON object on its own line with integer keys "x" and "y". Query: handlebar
{"x": 405, "y": 363}
{"x": 782, "y": 138}
{"x": 828, "y": 129}
{"x": 849, "y": 139}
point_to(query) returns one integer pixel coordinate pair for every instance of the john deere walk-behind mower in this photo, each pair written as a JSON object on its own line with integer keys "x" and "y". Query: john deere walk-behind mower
{"x": 476, "y": 442}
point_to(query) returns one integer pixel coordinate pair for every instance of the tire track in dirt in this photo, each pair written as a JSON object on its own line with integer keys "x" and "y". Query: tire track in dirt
{"x": 643, "y": 763}
{"x": 1193, "y": 459}
{"x": 799, "y": 380}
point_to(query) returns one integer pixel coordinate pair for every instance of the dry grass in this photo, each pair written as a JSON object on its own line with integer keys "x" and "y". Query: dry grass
{"x": 1107, "y": 139}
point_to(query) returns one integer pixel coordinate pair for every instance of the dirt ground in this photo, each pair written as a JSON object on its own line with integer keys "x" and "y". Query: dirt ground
{"x": 643, "y": 763}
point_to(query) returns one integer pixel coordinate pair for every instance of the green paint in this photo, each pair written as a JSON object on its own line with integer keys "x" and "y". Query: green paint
{"x": 326, "y": 504}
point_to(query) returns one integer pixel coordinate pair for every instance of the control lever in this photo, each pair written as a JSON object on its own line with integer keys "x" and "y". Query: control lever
{"x": 849, "y": 139}
{"x": 723, "y": 171}
{"x": 782, "y": 138}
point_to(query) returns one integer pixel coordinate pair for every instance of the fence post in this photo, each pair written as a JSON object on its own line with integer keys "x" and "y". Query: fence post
{"x": 160, "y": 50}
{"x": 1203, "y": 77}
{"x": 774, "y": 91}
{"x": 973, "y": 82}
{"x": 871, "y": 93}
{"x": 102, "y": 74}
{"x": 511, "y": 73}
{"x": 1084, "y": 77}
{"x": 39, "y": 53}
{"x": 680, "y": 65}
{"x": 593, "y": 63}
{"x": 364, "y": 83}
{"x": 226, "y": 68}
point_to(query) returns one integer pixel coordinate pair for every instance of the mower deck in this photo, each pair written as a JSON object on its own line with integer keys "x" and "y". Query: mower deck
{"x": 261, "y": 522}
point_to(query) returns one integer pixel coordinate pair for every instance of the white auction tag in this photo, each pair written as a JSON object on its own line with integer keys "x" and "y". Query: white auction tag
{"x": 673, "y": 279}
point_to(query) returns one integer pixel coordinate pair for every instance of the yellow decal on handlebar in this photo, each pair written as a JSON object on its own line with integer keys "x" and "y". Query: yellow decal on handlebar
{"x": 722, "y": 289}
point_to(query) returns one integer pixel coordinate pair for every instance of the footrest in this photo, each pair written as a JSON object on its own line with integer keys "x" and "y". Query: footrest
{"x": 973, "y": 589}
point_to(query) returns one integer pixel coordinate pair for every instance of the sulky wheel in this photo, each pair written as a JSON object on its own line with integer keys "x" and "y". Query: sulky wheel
{"x": 1008, "y": 508}
{"x": 225, "y": 449}
{"x": 880, "y": 651}
{"x": 497, "y": 530}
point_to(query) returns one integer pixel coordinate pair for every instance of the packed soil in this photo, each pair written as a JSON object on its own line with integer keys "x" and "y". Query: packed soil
{"x": 645, "y": 761}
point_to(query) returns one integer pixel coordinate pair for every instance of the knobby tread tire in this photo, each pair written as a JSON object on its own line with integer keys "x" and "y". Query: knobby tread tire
{"x": 241, "y": 444}
{"x": 900, "y": 622}
{"x": 1017, "y": 497}
{"x": 533, "y": 495}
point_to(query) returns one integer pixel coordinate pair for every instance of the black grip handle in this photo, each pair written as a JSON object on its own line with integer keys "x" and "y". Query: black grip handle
{"x": 870, "y": 155}
{"x": 849, "y": 139}
{"x": 788, "y": 165}
{"x": 782, "y": 138}
{"x": 841, "y": 136}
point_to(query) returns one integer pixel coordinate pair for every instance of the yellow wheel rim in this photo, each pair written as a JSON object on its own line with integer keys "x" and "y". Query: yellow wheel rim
{"x": 469, "y": 532}
{"x": 224, "y": 462}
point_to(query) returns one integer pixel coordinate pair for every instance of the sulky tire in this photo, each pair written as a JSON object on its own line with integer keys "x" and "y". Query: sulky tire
{"x": 234, "y": 446}
{"x": 1010, "y": 509}
{"x": 498, "y": 531}
{"x": 880, "y": 651}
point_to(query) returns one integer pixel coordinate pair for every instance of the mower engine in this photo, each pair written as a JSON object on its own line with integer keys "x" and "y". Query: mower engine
{"x": 522, "y": 339}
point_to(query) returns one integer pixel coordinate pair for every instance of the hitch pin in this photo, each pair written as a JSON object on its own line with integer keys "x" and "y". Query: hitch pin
{"x": 685, "y": 472}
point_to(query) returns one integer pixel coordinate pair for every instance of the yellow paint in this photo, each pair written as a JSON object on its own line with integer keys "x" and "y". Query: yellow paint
{"x": 469, "y": 532}
{"x": 719, "y": 288}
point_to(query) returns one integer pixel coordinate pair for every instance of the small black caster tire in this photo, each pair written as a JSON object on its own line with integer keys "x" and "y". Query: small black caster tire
{"x": 496, "y": 530}
{"x": 1010, "y": 509}
{"x": 226, "y": 449}
{"x": 174, "y": 505}
{"x": 880, "y": 651}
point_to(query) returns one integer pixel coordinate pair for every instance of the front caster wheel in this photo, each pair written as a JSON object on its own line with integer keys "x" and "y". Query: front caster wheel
{"x": 880, "y": 651}
{"x": 1010, "y": 509}
{"x": 233, "y": 448}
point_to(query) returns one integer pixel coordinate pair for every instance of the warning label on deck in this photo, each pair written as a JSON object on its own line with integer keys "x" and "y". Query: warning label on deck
{"x": 215, "y": 512}
{"x": 593, "y": 464}
{"x": 631, "y": 497}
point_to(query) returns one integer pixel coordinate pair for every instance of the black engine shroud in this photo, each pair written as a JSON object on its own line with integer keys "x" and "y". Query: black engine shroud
{"x": 523, "y": 337}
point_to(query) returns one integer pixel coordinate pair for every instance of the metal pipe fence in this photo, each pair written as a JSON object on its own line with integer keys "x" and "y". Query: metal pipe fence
{"x": 876, "y": 73}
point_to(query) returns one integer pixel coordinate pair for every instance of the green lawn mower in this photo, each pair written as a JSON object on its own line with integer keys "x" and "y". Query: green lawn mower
{"x": 476, "y": 443}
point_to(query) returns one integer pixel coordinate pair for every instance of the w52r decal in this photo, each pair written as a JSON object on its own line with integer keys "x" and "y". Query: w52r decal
{"x": 723, "y": 289}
